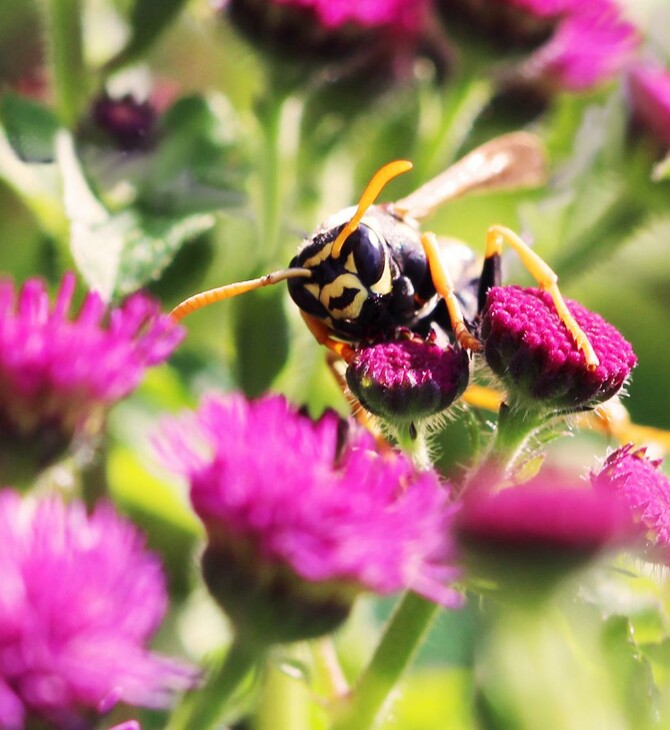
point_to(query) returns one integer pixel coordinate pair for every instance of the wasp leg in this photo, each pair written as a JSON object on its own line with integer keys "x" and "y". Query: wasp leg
{"x": 547, "y": 280}
{"x": 445, "y": 287}
{"x": 323, "y": 336}
{"x": 480, "y": 396}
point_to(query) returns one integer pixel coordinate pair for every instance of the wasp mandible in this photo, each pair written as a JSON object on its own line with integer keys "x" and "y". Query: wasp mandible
{"x": 369, "y": 271}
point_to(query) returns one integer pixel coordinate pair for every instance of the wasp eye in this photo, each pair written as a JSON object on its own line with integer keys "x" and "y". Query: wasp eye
{"x": 369, "y": 255}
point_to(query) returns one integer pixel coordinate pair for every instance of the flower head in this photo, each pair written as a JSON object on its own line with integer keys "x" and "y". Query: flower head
{"x": 577, "y": 44}
{"x": 535, "y": 531}
{"x": 531, "y": 350}
{"x": 378, "y": 36}
{"x": 407, "y": 379}
{"x": 293, "y": 510}
{"x": 81, "y": 598}
{"x": 131, "y": 123}
{"x": 642, "y": 487}
{"x": 591, "y": 45}
{"x": 58, "y": 372}
{"x": 649, "y": 98}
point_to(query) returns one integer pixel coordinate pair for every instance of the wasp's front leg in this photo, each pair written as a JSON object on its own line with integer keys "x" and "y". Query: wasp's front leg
{"x": 445, "y": 288}
{"x": 323, "y": 335}
{"x": 547, "y": 280}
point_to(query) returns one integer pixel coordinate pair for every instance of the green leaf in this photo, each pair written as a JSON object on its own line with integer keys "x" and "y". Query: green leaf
{"x": 198, "y": 165}
{"x": 261, "y": 332}
{"x": 30, "y": 128}
{"x": 150, "y": 243}
{"x": 148, "y": 20}
{"x": 121, "y": 252}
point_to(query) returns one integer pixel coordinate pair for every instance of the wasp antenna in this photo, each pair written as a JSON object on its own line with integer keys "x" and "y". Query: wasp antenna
{"x": 205, "y": 298}
{"x": 377, "y": 183}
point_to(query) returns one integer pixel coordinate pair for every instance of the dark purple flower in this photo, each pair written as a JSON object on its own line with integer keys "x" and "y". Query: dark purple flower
{"x": 407, "y": 379}
{"x": 293, "y": 510}
{"x": 531, "y": 350}
{"x": 80, "y": 599}
{"x": 129, "y": 122}
{"x": 649, "y": 98}
{"x": 642, "y": 487}
{"x": 59, "y": 372}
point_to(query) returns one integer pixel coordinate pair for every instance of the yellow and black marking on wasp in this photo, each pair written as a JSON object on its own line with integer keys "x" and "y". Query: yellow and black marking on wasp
{"x": 369, "y": 270}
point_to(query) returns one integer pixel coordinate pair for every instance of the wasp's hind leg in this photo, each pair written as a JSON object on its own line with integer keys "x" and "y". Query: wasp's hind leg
{"x": 445, "y": 287}
{"x": 547, "y": 280}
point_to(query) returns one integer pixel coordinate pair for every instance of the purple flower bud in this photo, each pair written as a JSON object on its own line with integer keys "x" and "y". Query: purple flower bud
{"x": 81, "y": 597}
{"x": 530, "y": 349}
{"x": 644, "y": 490}
{"x": 407, "y": 380}
{"x": 129, "y": 122}
{"x": 299, "y": 523}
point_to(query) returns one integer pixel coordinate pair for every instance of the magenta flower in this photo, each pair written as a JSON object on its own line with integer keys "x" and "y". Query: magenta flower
{"x": 649, "y": 98}
{"x": 59, "y": 373}
{"x": 549, "y": 511}
{"x": 526, "y": 537}
{"x": 642, "y": 487}
{"x": 577, "y": 44}
{"x": 408, "y": 379}
{"x": 396, "y": 14}
{"x": 290, "y": 506}
{"x": 531, "y": 350}
{"x": 592, "y": 43}
{"x": 80, "y": 599}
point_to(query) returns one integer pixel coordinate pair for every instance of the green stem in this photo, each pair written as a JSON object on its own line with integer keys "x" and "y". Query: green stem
{"x": 412, "y": 439}
{"x": 515, "y": 427}
{"x": 269, "y": 112}
{"x": 399, "y": 644}
{"x": 284, "y": 703}
{"x": 204, "y": 708}
{"x": 64, "y": 31}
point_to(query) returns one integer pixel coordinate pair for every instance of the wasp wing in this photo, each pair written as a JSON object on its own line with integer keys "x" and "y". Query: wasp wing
{"x": 513, "y": 160}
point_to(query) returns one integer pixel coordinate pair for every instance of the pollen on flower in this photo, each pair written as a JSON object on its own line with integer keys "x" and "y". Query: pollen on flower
{"x": 81, "y": 599}
{"x": 407, "y": 379}
{"x": 291, "y": 509}
{"x": 531, "y": 350}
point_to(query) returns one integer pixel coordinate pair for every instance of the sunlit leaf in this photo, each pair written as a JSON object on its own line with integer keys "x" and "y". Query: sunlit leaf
{"x": 30, "y": 128}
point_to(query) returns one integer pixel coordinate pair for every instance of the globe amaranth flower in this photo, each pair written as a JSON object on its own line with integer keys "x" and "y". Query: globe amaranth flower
{"x": 301, "y": 517}
{"x": 648, "y": 87}
{"x": 59, "y": 372}
{"x": 532, "y": 533}
{"x": 530, "y": 349}
{"x": 629, "y": 474}
{"x": 407, "y": 380}
{"x": 80, "y": 599}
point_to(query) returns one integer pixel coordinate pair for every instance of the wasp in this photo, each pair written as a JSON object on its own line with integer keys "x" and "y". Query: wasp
{"x": 369, "y": 271}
